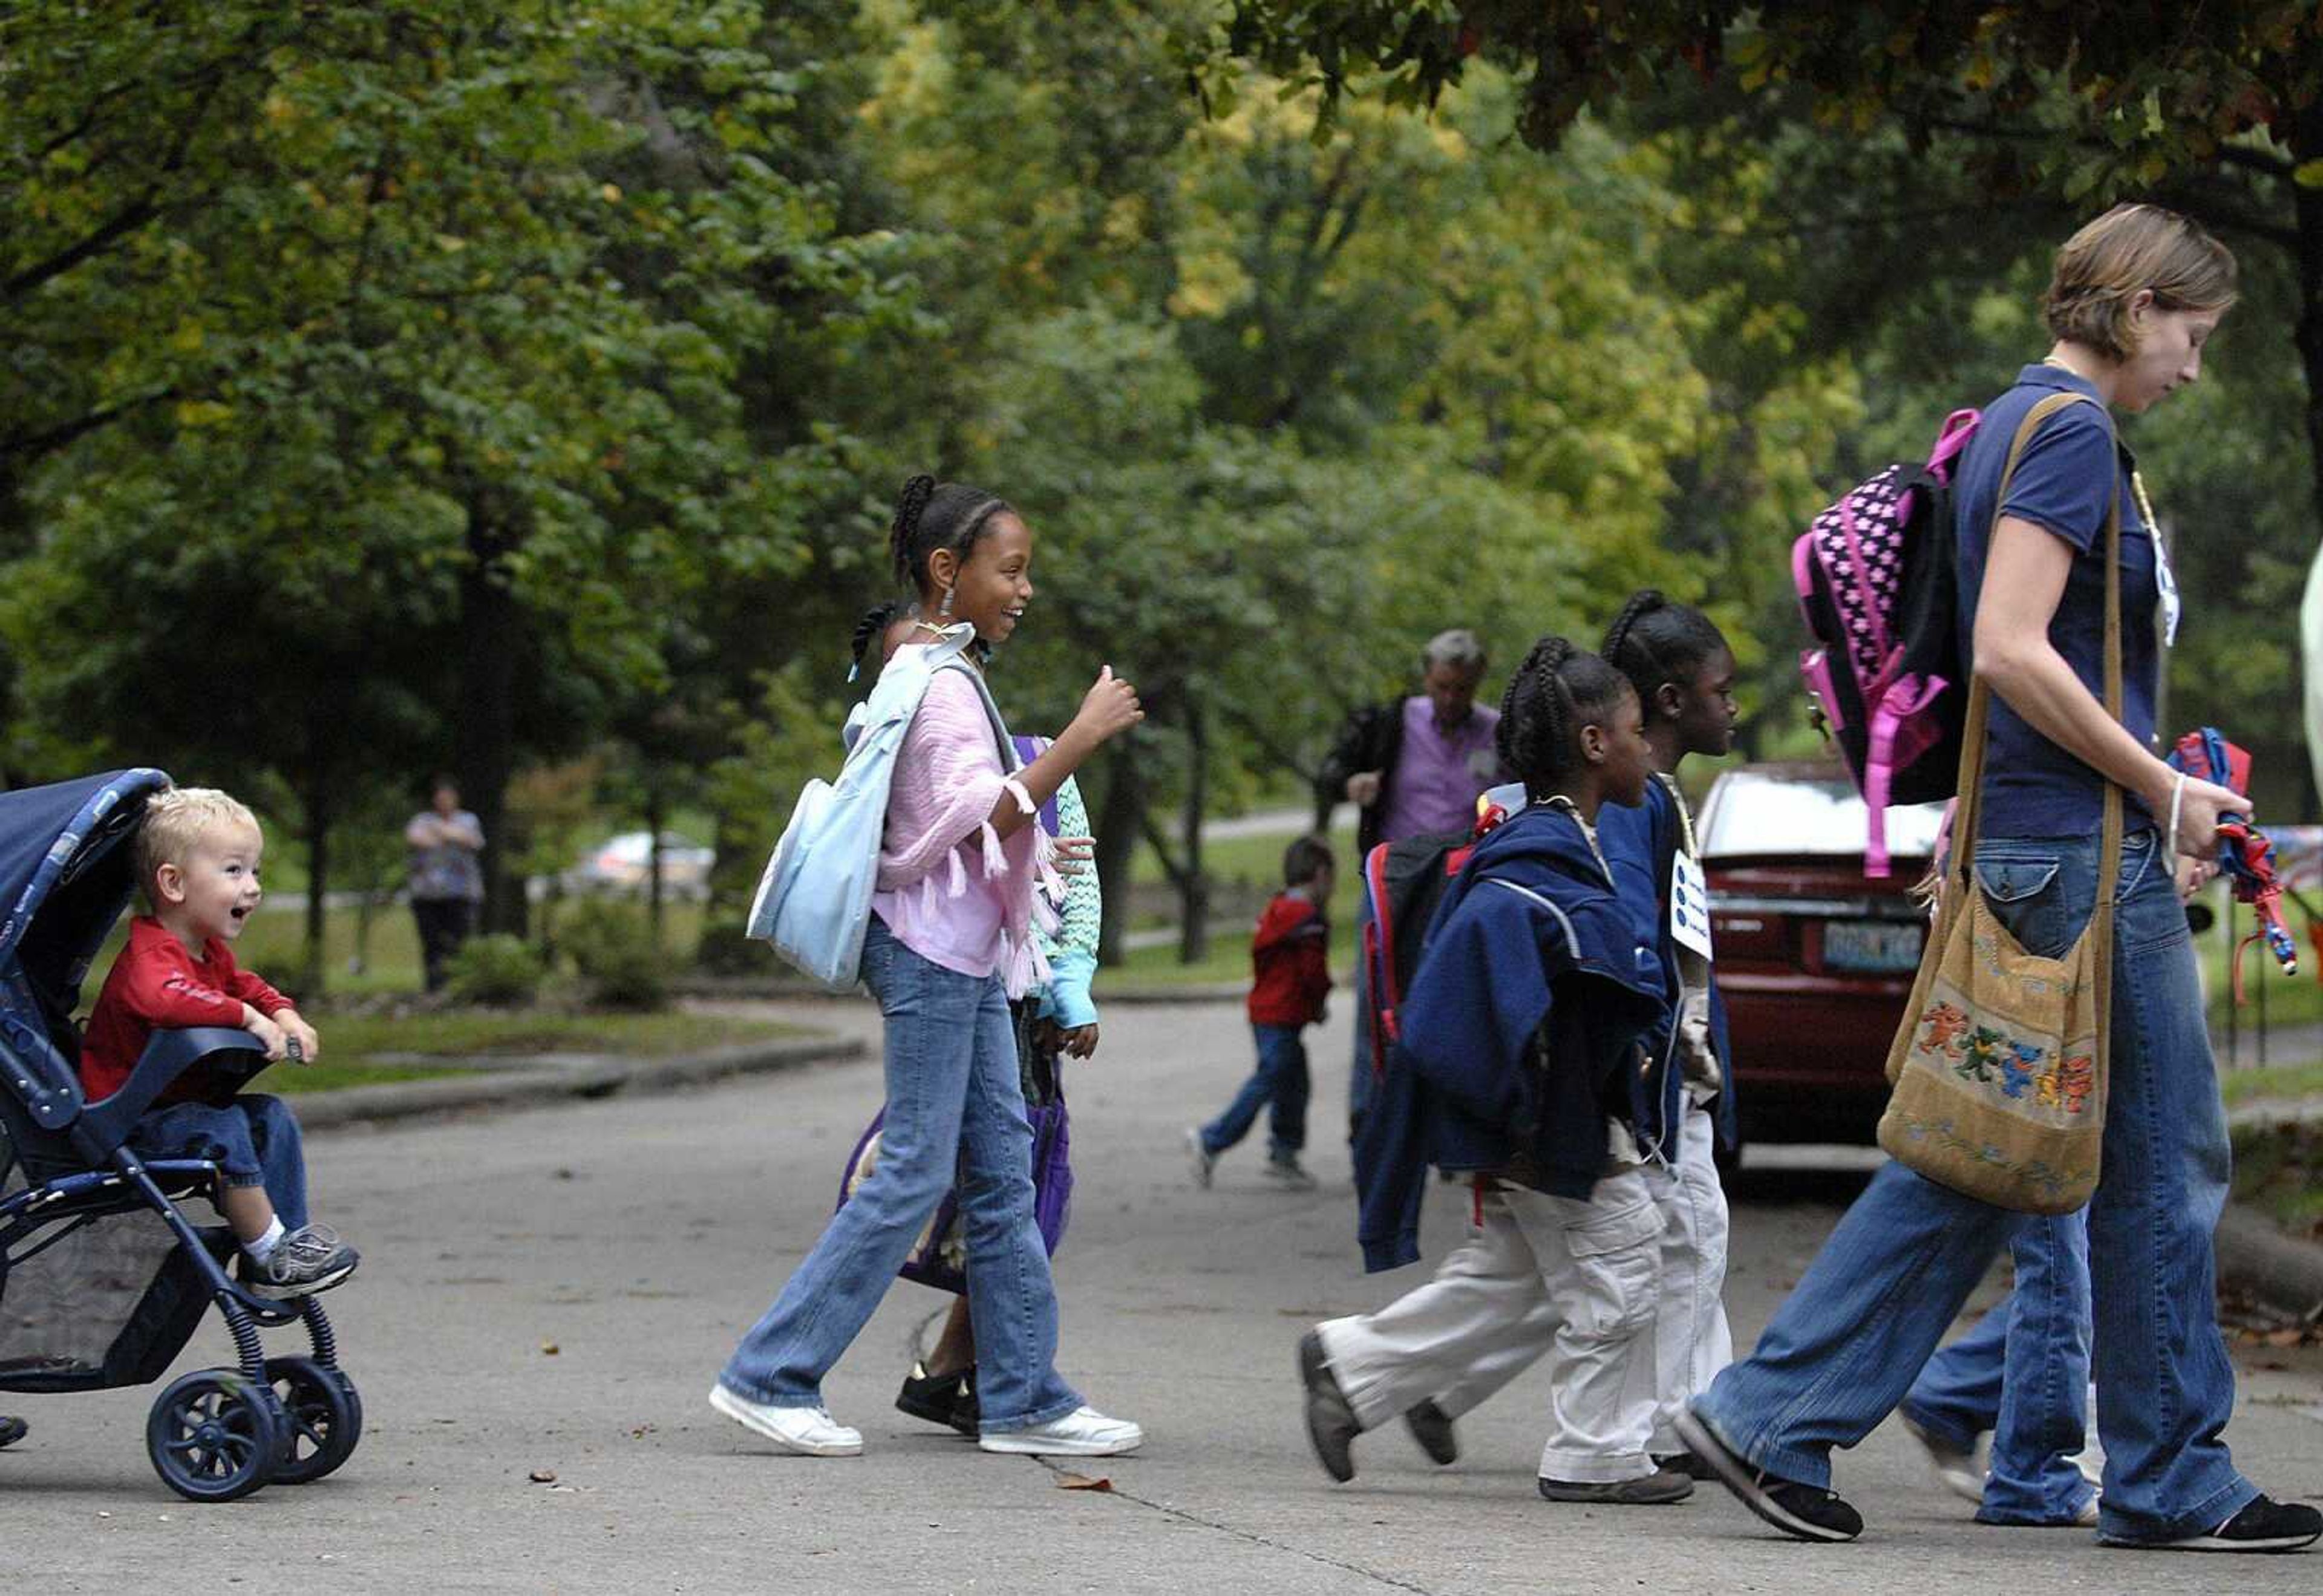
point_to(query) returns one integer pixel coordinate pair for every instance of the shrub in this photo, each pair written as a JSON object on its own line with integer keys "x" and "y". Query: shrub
{"x": 500, "y": 970}
{"x": 612, "y": 946}
{"x": 724, "y": 950}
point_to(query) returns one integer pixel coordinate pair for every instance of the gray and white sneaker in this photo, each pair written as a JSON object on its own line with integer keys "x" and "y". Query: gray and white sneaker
{"x": 1198, "y": 1157}
{"x": 310, "y": 1259}
{"x": 1289, "y": 1173}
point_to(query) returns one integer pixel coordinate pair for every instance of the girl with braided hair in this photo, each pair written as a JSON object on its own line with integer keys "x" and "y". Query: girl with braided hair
{"x": 1684, "y": 673}
{"x": 950, "y": 942}
{"x": 1526, "y": 1063}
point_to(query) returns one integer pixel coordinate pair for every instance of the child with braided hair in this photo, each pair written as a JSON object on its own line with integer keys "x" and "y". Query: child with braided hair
{"x": 1526, "y": 1063}
{"x": 1684, "y": 672}
{"x": 950, "y": 941}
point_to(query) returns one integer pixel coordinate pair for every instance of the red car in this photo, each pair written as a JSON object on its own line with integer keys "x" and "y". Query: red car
{"x": 1814, "y": 959}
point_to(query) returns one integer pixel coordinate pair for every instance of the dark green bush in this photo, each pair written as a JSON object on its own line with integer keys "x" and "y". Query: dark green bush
{"x": 499, "y": 970}
{"x": 724, "y": 950}
{"x": 612, "y": 947}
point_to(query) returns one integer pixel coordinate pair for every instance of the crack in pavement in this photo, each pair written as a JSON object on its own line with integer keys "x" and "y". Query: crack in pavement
{"x": 1182, "y": 1515}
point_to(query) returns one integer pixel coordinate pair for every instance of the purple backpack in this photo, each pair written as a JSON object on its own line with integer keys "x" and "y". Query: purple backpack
{"x": 1876, "y": 585}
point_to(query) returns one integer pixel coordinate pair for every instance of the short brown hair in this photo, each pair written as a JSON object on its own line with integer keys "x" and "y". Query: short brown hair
{"x": 176, "y": 820}
{"x": 2102, "y": 268}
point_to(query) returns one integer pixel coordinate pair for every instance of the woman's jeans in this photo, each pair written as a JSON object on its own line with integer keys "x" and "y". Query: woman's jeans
{"x": 1280, "y": 1084}
{"x": 955, "y": 1112}
{"x": 1841, "y": 1353}
{"x": 2022, "y": 1373}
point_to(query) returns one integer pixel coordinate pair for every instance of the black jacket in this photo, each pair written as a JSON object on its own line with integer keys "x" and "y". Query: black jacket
{"x": 1371, "y": 739}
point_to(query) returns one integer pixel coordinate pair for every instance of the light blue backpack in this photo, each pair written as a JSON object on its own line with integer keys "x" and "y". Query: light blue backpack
{"x": 814, "y": 903}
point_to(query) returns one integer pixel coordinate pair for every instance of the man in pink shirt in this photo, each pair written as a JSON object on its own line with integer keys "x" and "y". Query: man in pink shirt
{"x": 1413, "y": 767}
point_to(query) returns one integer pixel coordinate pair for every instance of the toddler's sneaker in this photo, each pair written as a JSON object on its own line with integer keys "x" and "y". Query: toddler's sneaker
{"x": 1201, "y": 1158}
{"x": 810, "y": 1430}
{"x": 310, "y": 1259}
{"x": 1082, "y": 1432}
{"x": 1289, "y": 1173}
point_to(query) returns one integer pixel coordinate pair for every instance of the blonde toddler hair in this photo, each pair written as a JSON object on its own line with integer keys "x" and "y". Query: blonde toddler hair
{"x": 176, "y": 820}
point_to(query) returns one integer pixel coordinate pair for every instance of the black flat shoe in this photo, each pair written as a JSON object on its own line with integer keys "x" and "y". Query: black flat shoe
{"x": 2262, "y": 1525}
{"x": 12, "y": 1430}
{"x": 940, "y": 1398}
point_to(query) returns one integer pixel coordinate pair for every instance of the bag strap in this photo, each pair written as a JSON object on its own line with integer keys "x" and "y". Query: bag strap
{"x": 1972, "y": 766}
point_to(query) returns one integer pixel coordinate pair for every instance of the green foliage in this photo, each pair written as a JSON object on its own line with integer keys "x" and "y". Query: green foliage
{"x": 497, "y": 970}
{"x": 612, "y": 947}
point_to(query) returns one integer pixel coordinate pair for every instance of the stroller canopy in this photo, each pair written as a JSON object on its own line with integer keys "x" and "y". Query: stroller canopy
{"x": 60, "y": 910}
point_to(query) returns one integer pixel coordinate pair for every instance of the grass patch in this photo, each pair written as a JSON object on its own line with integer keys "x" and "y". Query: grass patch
{"x": 2276, "y": 1080}
{"x": 366, "y": 1050}
{"x": 2278, "y": 1171}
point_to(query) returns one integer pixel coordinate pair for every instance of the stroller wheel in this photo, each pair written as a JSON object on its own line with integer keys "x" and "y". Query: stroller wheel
{"x": 325, "y": 1419}
{"x": 215, "y": 1435}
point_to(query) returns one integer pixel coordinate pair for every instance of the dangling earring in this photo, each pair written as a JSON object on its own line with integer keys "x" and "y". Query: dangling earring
{"x": 944, "y": 609}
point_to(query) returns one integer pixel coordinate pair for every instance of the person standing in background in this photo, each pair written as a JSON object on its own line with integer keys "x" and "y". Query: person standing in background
{"x": 448, "y": 876}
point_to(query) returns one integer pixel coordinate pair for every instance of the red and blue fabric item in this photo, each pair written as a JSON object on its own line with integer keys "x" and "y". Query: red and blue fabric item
{"x": 2246, "y": 853}
{"x": 1289, "y": 962}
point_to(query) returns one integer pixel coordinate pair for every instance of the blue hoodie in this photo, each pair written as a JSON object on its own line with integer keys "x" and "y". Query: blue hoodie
{"x": 1528, "y": 1024}
{"x": 1641, "y": 845}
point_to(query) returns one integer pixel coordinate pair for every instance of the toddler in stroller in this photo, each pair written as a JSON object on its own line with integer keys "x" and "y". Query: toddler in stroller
{"x": 103, "y": 1278}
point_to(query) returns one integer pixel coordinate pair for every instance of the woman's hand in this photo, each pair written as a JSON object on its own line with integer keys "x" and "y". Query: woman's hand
{"x": 2193, "y": 875}
{"x": 1073, "y": 855}
{"x": 2199, "y": 808}
{"x": 1109, "y": 709}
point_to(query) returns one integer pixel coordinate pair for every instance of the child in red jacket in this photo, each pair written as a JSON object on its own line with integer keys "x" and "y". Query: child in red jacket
{"x": 197, "y": 852}
{"x": 1291, "y": 970}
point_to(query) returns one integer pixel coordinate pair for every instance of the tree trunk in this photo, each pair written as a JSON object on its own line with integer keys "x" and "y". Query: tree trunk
{"x": 2308, "y": 208}
{"x": 1120, "y": 818}
{"x": 1194, "y": 886}
{"x": 655, "y": 815}
{"x": 484, "y": 729}
{"x": 318, "y": 817}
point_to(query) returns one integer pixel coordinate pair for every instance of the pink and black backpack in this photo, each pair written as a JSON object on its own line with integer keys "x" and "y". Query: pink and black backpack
{"x": 1876, "y": 585}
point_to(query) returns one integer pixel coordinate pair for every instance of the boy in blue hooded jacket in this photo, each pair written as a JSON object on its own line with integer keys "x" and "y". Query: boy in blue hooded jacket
{"x": 1528, "y": 1062}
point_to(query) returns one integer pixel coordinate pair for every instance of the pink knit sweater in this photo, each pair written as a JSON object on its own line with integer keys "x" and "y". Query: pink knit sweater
{"x": 949, "y": 889}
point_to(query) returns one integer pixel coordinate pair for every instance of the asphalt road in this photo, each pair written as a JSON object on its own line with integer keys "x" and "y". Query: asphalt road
{"x": 551, "y": 1292}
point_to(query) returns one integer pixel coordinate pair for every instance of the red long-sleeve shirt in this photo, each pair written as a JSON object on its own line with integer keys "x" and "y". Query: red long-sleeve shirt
{"x": 1290, "y": 963}
{"x": 156, "y": 983}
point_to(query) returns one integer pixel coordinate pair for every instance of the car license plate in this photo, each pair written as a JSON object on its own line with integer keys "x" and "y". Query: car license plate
{"x": 1869, "y": 945}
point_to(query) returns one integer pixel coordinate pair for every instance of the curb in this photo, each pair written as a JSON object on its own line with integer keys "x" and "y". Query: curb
{"x": 521, "y": 1088}
{"x": 2277, "y": 1270}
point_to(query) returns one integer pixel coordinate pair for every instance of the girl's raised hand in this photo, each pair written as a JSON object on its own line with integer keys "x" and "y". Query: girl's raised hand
{"x": 1110, "y": 707}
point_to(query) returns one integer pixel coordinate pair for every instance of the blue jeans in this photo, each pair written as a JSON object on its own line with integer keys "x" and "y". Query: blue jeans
{"x": 1841, "y": 1353}
{"x": 2024, "y": 1374}
{"x": 1359, "y": 1079}
{"x": 253, "y": 1140}
{"x": 1280, "y": 1080}
{"x": 955, "y": 1112}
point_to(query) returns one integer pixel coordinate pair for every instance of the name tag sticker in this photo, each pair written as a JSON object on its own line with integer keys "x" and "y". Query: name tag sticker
{"x": 1689, "y": 902}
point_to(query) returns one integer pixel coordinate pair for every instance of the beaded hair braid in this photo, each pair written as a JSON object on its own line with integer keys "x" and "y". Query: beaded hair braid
{"x": 931, "y": 515}
{"x": 1553, "y": 694}
{"x": 1656, "y": 641}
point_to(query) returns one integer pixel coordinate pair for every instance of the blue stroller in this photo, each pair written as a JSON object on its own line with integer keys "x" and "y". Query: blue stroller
{"x": 103, "y": 1278}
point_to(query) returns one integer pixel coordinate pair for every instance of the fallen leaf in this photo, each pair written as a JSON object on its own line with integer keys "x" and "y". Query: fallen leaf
{"x": 1081, "y": 1482}
{"x": 544, "y": 1476}
{"x": 549, "y": 1349}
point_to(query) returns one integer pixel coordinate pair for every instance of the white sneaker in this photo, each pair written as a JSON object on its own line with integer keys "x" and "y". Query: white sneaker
{"x": 810, "y": 1430}
{"x": 1961, "y": 1472}
{"x": 1082, "y": 1432}
{"x": 1199, "y": 1158}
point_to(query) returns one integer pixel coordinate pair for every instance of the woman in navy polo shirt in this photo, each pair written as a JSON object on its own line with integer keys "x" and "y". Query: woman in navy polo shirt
{"x": 2134, "y": 296}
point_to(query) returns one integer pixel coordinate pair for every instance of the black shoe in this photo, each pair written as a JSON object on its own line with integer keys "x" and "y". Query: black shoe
{"x": 2262, "y": 1525}
{"x": 1796, "y": 1509}
{"x": 12, "y": 1430}
{"x": 1431, "y": 1427}
{"x": 940, "y": 1398}
{"x": 1683, "y": 1462}
{"x": 1656, "y": 1489}
{"x": 1331, "y": 1423}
